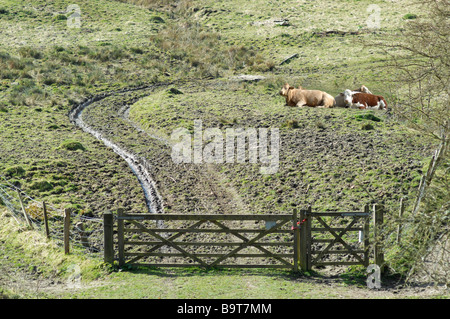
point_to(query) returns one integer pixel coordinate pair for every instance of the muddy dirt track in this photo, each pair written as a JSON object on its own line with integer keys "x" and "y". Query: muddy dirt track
{"x": 139, "y": 165}
{"x": 105, "y": 117}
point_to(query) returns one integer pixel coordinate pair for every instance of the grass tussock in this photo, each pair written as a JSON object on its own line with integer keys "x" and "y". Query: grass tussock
{"x": 72, "y": 145}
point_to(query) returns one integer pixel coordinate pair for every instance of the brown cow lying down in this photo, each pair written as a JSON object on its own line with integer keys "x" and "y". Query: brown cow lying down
{"x": 364, "y": 100}
{"x": 340, "y": 101}
{"x": 301, "y": 97}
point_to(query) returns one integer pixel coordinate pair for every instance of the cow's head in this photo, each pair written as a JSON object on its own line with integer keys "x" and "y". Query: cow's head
{"x": 285, "y": 89}
{"x": 348, "y": 98}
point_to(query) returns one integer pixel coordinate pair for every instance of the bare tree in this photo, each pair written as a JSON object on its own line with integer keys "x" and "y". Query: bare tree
{"x": 419, "y": 66}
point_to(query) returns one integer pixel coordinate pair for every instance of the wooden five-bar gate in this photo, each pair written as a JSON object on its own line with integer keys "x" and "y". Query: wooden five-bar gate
{"x": 240, "y": 241}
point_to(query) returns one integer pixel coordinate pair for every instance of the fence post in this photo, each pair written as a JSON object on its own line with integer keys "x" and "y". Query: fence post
{"x": 120, "y": 237}
{"x": 296, "y": 239}
{"x": 378, "y": 238}
{"x": 400, "y": 215}
{"x": 108, "y": 253}
{"x": 24, "y": 211}
{"x": 303, "y": 243}
{"x": 84, "y": 237}
{"x": 66, "y": 231}
{"x": 47, "y": 231}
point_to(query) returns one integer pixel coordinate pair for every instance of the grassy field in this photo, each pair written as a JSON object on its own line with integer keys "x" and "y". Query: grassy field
{"x": 328, "y": 159}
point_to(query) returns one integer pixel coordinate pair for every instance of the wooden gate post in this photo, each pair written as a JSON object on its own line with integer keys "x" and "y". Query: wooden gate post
{"x": 378, "y": 211}
{"x": 303, "y": 242}
{"x": 296, "y": 239}
{"x": 120, "y": 237}
{"x": 108, "y": 249}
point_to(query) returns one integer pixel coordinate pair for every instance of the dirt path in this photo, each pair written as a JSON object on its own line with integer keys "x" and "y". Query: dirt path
{"x": 138, "y": 164}
{"x": 168, "y": 187}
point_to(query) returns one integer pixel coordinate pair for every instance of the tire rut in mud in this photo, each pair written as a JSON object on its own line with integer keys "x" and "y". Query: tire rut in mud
{"x": 138, "y": 164}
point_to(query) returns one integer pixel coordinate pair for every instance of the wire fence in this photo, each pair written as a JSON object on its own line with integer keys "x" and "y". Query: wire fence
{"x": 86, "y": 233}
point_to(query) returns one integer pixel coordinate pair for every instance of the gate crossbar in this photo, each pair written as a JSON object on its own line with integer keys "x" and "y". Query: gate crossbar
{"x": 136, "y": 219}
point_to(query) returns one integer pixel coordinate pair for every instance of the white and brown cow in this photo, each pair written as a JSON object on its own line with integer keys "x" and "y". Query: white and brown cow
{"x": 340, "y": 100}
{"x": 359, "y": 100}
